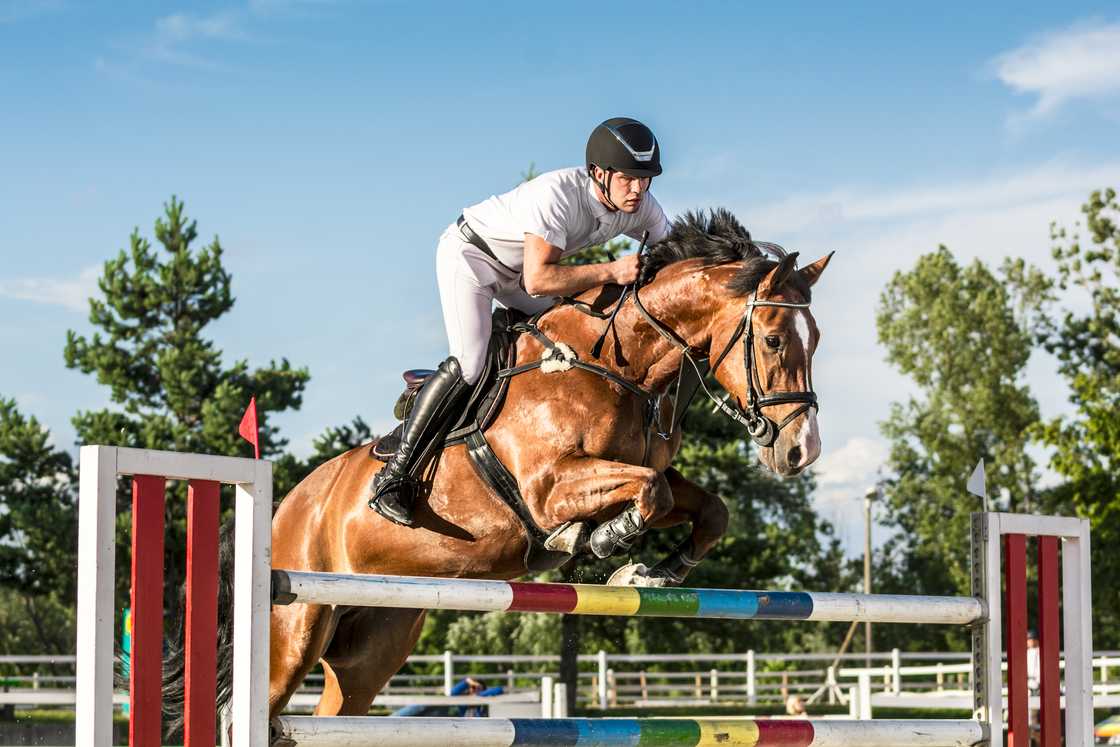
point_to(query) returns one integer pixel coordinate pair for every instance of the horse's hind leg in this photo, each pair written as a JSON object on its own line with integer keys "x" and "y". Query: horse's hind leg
{"x": 708, "y": 515}
{"x": 298, "y": 635}
{"x": 368, "y": 647}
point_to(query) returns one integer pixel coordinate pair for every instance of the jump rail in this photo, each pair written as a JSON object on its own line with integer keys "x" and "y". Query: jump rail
{"x": 345, "y": 731}
{"x": 304, "y": 587}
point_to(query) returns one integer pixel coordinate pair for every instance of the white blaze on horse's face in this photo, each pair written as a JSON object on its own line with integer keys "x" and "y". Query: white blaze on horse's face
{"x": 808, "y": 439}
{"x": 788, "y": 368}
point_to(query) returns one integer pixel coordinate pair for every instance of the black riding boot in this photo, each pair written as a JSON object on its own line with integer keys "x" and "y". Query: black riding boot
{"x": 393, "y": 488}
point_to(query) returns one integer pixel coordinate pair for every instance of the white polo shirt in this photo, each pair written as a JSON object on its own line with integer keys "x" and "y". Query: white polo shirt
{"x": 560, "y": 207}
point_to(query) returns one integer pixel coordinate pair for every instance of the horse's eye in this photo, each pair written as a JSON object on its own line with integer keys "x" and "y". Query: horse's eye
{"x": 773, "y": 342}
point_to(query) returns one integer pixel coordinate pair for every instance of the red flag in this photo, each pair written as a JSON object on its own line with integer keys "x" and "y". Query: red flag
{"x": 248, "y": 427}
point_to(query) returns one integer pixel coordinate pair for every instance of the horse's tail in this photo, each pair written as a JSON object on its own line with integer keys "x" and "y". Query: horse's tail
{"x": 174, "y": 662}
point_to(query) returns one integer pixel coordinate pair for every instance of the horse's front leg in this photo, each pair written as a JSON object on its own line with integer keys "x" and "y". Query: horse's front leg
{"x": 708, "y": 516}
{"x": 624, "y": 498}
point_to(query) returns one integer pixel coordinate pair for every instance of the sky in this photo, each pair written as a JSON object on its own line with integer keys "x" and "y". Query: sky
{"x": 328, "y": 143}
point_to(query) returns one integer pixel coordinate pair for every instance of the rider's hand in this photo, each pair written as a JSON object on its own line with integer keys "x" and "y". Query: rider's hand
{"x": 625, "y": 269}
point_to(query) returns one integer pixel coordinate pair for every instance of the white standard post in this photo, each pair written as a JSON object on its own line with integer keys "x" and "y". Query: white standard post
{"x": 97, "y": 514}
{"x": 603, "y": 680}
{"x": 896, "y": 671}
{"x": 713, "y": 683}
{"x": 448, "y": 673}
{"x": 1078, "y": 625}
{"x": 987, "y": 640}
{"x": 752, "y": 690}
{"x": 547, "y": 705}
{"x": 252, "y": 568}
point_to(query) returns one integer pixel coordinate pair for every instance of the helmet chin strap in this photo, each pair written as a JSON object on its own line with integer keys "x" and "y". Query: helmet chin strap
{"x": 605, "y": 188}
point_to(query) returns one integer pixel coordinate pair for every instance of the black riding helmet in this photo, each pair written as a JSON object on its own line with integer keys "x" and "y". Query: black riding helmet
{"x": 626, "y": 145}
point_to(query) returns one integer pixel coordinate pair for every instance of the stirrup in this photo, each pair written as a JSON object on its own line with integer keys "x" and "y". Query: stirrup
{"x": 389, "y": 502}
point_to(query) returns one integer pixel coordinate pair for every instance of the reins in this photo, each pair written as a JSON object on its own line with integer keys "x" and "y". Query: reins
{"x": 762, "y": 429}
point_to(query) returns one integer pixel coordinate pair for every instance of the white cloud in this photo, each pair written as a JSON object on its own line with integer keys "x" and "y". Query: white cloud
{"x": 184, "y": 27}
{"x": 878, "y": 231}
{"x": 840, "y": 207}
{"x": 1079, "y": 62}
{"x": 178, "y": 38}
{"x": 70, "y": 293}
{"x": 844, "y": 475}
{"x": 853, "y": 464}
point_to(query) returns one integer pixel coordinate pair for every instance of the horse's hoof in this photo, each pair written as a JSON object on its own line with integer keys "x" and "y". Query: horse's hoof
{"x": 636, "y": 574}
{"x": 570, "y": 537}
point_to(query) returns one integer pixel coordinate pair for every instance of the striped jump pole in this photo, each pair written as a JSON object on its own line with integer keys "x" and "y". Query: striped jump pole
{"x": 469, "y": 595}
{"x": 359, "y": 731}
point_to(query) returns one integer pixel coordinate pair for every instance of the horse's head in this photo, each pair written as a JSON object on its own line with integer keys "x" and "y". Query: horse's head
{"x": 762, "y": 354}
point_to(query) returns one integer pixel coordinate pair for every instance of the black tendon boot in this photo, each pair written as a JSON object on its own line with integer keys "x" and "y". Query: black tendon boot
{"x": 617, "y": 534}
{"x": 677, "y": 565}
{"x": 393, "y": 489}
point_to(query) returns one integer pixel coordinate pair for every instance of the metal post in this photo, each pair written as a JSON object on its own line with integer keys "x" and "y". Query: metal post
{"x": 870, "y": 496}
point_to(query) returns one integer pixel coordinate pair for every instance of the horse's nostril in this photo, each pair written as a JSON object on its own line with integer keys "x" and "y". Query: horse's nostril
{"x": 793, "y": 459}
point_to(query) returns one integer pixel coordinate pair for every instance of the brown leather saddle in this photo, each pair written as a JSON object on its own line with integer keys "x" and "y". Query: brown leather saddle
{"x": 481, "y": 406}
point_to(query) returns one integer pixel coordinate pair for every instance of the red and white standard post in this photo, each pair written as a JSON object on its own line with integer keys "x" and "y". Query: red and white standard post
{"x": 101, "y": 466}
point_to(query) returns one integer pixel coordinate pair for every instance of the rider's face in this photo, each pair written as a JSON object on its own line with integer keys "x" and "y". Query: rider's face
{"x": 626, "y": 191}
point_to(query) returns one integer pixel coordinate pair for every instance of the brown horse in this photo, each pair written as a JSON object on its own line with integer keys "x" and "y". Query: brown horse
{"x": 578, "y": 445}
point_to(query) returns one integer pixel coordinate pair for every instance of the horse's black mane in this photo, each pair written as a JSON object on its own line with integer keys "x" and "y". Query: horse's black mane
{"x": 718, "y": 238}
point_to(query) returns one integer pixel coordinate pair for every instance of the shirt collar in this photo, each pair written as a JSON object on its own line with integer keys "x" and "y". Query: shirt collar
{"x": 598, "y": 209}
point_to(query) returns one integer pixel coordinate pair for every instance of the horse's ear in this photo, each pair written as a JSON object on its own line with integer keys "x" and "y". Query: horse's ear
{"x": 778, "y": 276}
{"x": 812, "y": 272}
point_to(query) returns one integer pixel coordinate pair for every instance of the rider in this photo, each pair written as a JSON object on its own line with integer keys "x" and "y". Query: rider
{"x": 508, "y": 249}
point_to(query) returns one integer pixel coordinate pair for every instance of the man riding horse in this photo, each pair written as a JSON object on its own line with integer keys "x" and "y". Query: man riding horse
{"x": 576, "y": 453}
{"x": 508, "y": 248}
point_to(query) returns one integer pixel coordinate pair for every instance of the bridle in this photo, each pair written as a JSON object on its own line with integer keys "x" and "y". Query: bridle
{"x": 763, "y": 430}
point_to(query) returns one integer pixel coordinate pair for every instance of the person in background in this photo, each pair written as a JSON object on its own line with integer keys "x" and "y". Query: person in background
{"x": 795, "y": 707}
{"x": 1034, "y": 666}
{"x": 1034, "y": 677}
{"x": 465, "y": 686}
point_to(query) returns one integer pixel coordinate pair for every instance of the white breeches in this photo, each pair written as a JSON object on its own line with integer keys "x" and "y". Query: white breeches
{"x": 469, "y": 283}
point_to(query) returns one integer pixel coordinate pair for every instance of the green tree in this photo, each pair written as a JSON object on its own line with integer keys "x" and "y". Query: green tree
{"x": 1085, "y": 339}
{"x": 166, "y": 379}
{"x": 38, "y": 537}
{"x": 954, "y": 331}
